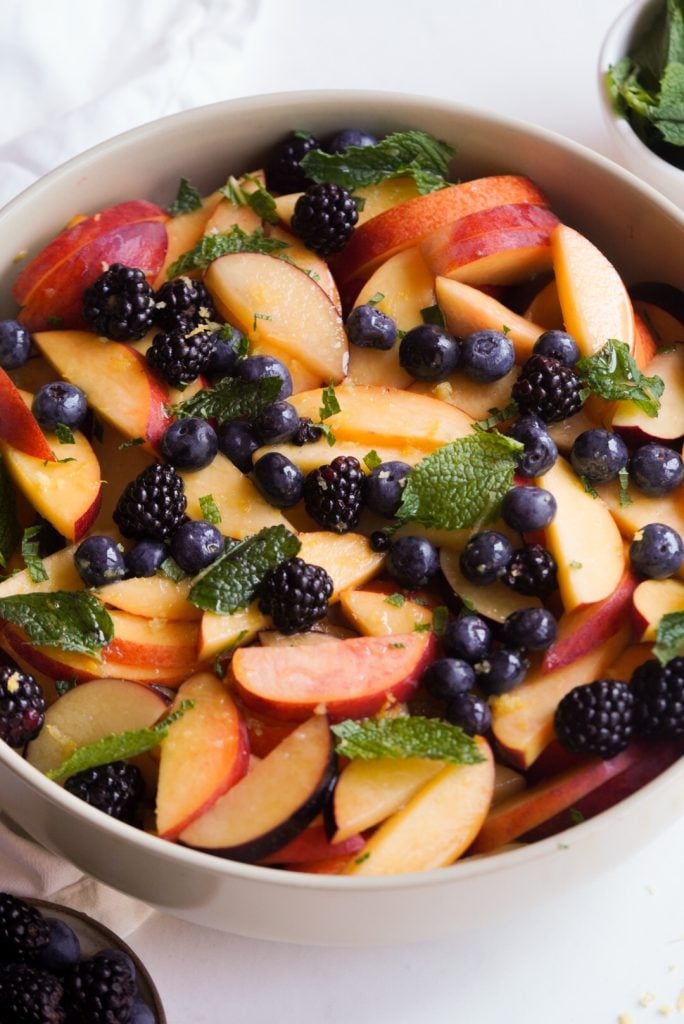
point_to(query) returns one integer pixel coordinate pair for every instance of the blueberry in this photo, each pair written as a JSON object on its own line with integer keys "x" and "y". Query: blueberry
{"x": 384, "y": 486}
{"x": 535, "y": 629}
{"x": 656, "y": 551}
{"x": 429, "y": 352}
{"x": 485, "y": 556}
{"x": 350, "y": 137}
{"x": 59, "y": 402}
{"x": 195, "y": 545}
{"x": 141, "y": 1013}
{"x": 502, "y": 670}
{"x": 656, "y": 469}
{"x": 238, "y": 442}
{"x": 540, "y": 451}
{"x": 257, "y": 367}
{"x": 63, "y": 949}
{"x": 528, "y": 508}
{"x": 487, "y": 355}
{"x": 146, "y": 557}
{"x": 276, "y": 423}
{"x": 189, "y": 443}
{"x": 470, "y": 712}
{"x": 224, "y": 360}
{"x": 599, "y": 455}
{"x": 380, "y": 541}
{"x": 446, "y": 678}
{"x": 557, "y": 345}
{"x": 413, "y": 560}
{"x": 15, "y": 344}
{"x": 368, "y": 327}
{"x": 468, "y": 637}
{"x": 99, "y": 560}
{"x": 279, "y": 480}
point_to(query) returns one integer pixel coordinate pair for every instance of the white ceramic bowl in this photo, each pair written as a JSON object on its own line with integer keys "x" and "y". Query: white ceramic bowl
{"x": 640, "y": 231}
{"x": 633, "y": 152}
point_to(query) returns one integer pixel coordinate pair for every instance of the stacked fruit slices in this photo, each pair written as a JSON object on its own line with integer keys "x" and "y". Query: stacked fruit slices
{"x": 219, "y": 774}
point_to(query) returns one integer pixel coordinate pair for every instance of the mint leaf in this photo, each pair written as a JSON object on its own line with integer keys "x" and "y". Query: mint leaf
{"x": 461, "y": 484}
{"x": 132, "y": 442}
{"x": 372, "y": 460}
{"x": 65, "y": 435}
{"x": 613, "y": 374}
{"x": 440, "y": 620}
{"x": 172, "y": 569}
{"x": 118, "y": 746}
{"x": 405, "y": 737}
{"x": 330, "y": 406}
{"x": 231, "y": 582}
{"x": 10, "y": 531}
{"x": 71, "y": 620}
{"x": 187, "y": 199}
{"x": 29, "y": 552}
{"x": 211, "y": 247}
{"x": 230, "y": 399}
{"x": 396, "y": 600}
{"x": 411, "y": 153}
{"x": 209, "y": 509}
{"x": 261, "y": 201}
{"x": 623, "y": 478}
{"x": 670, "y": 637}
{"x": 497, "y": 416}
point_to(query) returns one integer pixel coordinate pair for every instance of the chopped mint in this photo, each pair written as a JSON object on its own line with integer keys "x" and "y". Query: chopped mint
{"x": 670, "y": 637}
{"x": 260, "y": 316}
{"x": 405, "y": 737}
{"x": 225, "y": 654}
{"x": 362, "y": 858}
{"x": 411, "y": 153}
{"x": 497, "y": 416}
{"x": 118, "y": 746}
{"x": 396, "y": 600}
{"x": 588, "y": 487}
{"x": 261, "y": 201}
{"x": 10, "y": 531}
{"x": 623, "y": 479}
{"x": 211, "y": 247}
{"x": 574, "y": 564}
{"x": 231, "y": 582}
{"x": 65, "y": 435}
{"x": 375, "y": 299}
{"x": 63, "y": 686}
{"x": 172, "y": 569}
{"x": 29, "y": 552}
{"x": 462, "y": 483}
{"x": 372, "y": 460}
{"x": 187, "y": 199}
{"x": 613, "y": 374}
{"x": 576, "y": 816}
{"x": 132, "y": 442}
{"x": 230, "y": 399}
{"x": 209, "y": 509}
{"x": 330, "y": 404}
{"x": 440, "y": 619}
{"x": 70, "y": 620}
{"x": 422, "y": 627}
{"x": 433, "y": 315}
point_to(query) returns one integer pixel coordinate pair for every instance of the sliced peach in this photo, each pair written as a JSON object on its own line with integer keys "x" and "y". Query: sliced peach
{"x": 307, "y": 260}
{"x": 469, "y": 395}
{"x": 467, "y": 309}
{"x": 642, "y": 510}
{"x": 184, "y": 231}
{"x": 152, "y": 642}
{"x": 668, "y": 424}
{"x": 242, "y": 508}
{"x": 377, "y": 614}
{"x": 19, "y": 428}
{"x": 61, "y": 575}
{"x": 310, "y": 456}
{"x": 496, "y": 601}
{"x": 155, "y": 596}
{"x": 652, "y": 600}
{"x": 544, "y": 308}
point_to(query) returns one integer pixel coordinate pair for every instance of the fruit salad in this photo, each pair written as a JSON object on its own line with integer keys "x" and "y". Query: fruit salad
{"x": 341, "y": 513}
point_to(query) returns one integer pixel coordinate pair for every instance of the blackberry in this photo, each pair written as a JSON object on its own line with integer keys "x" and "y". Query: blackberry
{"x": 548, "y": 388}
{"x": 153, "y": 505}
{"x": 324, "y": 218}
{"x": 24, "y": 932}
{"x": 181, "y": 354}
{"x": 333, "y": 494}
{"x": 295, "y": 595}
{"x": 306, "y": 433}
{"x": 531, "y": 571}
{"x": 659, "y": 693}
{"x": 99, "y": 991}
{"x": 182, "y": 299}
{"x": 29, "y": 995}
{"x": 116, "y": 788}
{"x": 119, "y": 304}
{"x": 596, "y": 718}
{"x": 22, "y": 707}
{"x": 282, "y": 166}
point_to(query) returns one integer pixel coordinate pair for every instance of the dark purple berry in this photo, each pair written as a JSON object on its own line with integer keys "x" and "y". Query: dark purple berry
{"x": 99, "y": 561}
{"x": 487, "y": 355}
{"x": 429, "y": 352}
{"x": 485, "y": 557}
{"x": 413, "y": 561}
{"x": 195, "y": 545}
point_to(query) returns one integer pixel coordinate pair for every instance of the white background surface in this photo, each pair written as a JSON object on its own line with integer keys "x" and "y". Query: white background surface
{"x": 594, "y": 954}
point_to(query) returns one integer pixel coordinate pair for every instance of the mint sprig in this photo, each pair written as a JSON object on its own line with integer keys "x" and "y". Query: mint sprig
{"x": 119, "y": 746}
{"x": 461, "y": 484}
{"x": 230, "y": 399}
{"x": 10, "y": 531}
{"x": 212, "y": 247}
{"x": 412, "y": 153}
{"x": 29, "y": 552}
{"x": 70, "y": 620}
{"x": 187, "y": 199}
{"x": 431, "y": 738}
{"x": 669, "y": 637}
{"x": 232, "y": 581}
{"x": 613, "y": 374}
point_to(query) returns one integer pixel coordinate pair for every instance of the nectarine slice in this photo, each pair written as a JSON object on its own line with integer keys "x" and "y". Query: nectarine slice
{"x": 467, "y": 309}
{"x": 652, "y": 600}
{"x": 371, "y": 613}
{"x": 19, "y": 428}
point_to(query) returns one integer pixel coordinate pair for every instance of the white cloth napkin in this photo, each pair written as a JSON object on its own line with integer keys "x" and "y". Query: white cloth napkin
{"x": 73, "y": 73}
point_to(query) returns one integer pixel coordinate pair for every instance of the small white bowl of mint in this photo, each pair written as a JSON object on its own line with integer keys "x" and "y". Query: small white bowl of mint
{"x": 642, "y": 87}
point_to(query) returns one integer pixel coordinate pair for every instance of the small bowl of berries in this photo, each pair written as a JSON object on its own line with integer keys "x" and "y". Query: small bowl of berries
{"x": 58, "y": 965}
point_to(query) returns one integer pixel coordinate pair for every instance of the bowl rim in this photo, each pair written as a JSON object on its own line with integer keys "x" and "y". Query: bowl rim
{"x": 210, "y": 864}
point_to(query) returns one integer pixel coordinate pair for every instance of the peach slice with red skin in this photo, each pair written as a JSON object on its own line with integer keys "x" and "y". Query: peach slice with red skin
{"x": 354, "y": 678}
{"x": 467, "y": 309}
{"x": 61, "y": 575}
{"x": 152, "y": 642}
{"x": 635, "y": 425}
{"x": 373, "y": 613}
{"x": 18, "y": 426}
{"x": 312, "y": 845}
{"x": 204, "y": 754}
{"x": 142, "y": 595}
{"x": 652, "y": 600}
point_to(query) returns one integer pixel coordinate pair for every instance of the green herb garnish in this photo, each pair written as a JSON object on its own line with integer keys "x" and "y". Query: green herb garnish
{"x": 65, "y": 434}
{"x": 670, "y": 637}
{"x": 209, "y": 509}
{"x": 132, "y": 442}
{"x": 119, "y": 746}
{"x": 211, "y": 247}
{"x": 411, "y": 153}
{"x": 187, "y": 199}
{"x": 172, "y": 569}
{"x": 231, "y": 582}
{"x": 462, "y": 483}
{"x": 497, "y": 416}
{"x": 372, "y": 460}
{"x": 70, "y": 620}
{"x": 405, "y": 737}
{"x": 440, "y": 619}
{"x": 230, "y": 399}
{"x": 29, "y": 552}
{"x": 623, "y": 480}
{"x": 396, "y": 600}
{"x": 433, "y": 315}
{"x": 613, "y": 374}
